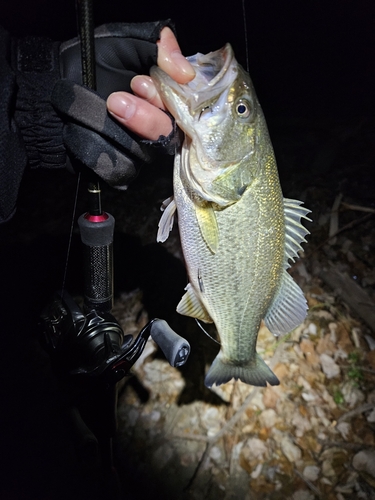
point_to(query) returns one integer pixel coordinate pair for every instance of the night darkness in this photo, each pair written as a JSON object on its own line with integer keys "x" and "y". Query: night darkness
{"x": 312, "y": 62}
{"x": 306, "y": 58}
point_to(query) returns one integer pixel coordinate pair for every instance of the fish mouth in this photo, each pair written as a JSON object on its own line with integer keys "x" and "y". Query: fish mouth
{"x": 215, "y": 72}
{"x": 212, "y": 75}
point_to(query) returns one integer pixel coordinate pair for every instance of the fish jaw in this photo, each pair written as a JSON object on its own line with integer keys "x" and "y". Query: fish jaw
{"x": 205, "y": 110}
{"x": 215, "y": 72}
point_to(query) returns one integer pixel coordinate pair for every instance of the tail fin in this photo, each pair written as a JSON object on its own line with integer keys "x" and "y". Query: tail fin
{"x": 255, "y": 372}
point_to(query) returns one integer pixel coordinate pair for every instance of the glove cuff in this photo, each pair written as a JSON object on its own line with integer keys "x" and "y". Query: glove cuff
{"x": 36, "y": 64}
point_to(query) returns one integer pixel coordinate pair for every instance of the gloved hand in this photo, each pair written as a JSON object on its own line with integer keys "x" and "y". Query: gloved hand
{"x": 50, "y": 73}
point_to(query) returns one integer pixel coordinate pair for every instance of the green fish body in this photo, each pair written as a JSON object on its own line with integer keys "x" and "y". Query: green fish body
{"x": 237, "y": 231}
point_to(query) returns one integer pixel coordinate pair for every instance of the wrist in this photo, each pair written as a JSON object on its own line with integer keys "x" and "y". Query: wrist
{"x": 36, "y": 64}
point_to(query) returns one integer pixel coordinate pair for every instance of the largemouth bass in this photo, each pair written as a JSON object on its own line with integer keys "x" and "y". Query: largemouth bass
{"x": 237, "y": 232}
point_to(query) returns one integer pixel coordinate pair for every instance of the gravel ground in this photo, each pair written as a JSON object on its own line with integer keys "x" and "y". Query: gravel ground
{"x": 311, "y": 437}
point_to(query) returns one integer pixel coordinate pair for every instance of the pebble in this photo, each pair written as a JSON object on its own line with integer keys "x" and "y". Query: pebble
{"x": 352, "y": 395}
{"x": 256, "y": 472}
{"x": 329, "y": 367}
{"x": 364, "y": 461}
{"x": 268, "y": 418}
{"x": 371, "y": 417}
{"x": 311, "y": 472}
{"x": 290, "y": 450}
{"x": 215, "y": 453}
{"x": 371, "y": 342}
{"x": 344, "y": 429}
{"x": 303, "y": 495}
{"x": 211, "y": 419}
{"x": 301, "y": 424}
{"x": 254, "y": 448}
{"x": 356, "y": 334}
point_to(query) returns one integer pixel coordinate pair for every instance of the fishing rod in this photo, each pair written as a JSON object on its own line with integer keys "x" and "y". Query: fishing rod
{"x": 89, "y": 351}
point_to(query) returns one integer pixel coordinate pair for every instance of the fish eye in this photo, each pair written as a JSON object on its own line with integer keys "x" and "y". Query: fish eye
{"x": 243, "y": 108}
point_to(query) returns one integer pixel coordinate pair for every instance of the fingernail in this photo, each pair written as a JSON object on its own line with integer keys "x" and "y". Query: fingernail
{"x": 183, "y": 64}
{"x": 144, "y": 87}
{"x": 121, "y": 105}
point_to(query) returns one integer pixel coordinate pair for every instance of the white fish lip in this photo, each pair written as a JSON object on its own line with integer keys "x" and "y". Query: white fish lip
{"x": 214, "y": 71}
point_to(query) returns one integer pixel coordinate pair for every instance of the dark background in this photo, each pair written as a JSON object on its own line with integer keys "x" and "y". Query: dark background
{"x": 313, "y": 66}
{"x": 306, "y": 58}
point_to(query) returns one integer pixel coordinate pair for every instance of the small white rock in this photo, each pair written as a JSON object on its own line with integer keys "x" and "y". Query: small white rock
{"x": 303, "y": 495}
{"x": 356, "y": 334}
{"x": 329, "y": 367}
{"x": 256, "y": 472}
{"x": 327, "y": 469}
{"x": 215, "y": 453}
{"x": 268, "y": 418}
{"x": 312, "y": 329}
{"x": 155, "y": 416}
{"x": 364, "y": 461}
{"x": 301, "y": 424}
{"x": 311, "y": 472}
{"x": 254, "y": 448}
{"x": 371, "y": 417}
{"x": 352, "y": 395}
{"x": 290, "y": 450}
{"x": 371, "y": 342}
{"x": 344, "y": 429}
{"x": 308, "y": 397}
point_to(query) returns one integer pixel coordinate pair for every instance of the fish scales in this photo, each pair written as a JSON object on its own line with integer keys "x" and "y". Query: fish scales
{"x": 237, "y": 231}
{"x": 224, "y": 284}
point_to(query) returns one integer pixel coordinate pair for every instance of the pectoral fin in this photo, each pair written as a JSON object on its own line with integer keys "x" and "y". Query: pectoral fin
{"x": 288, "y": 308}
{"x": 208, "y": 225}
{"x": 166, "y": 220}
{"x": 190, "y": 305}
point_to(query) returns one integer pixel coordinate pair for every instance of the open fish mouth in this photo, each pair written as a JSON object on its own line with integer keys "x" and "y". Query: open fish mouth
{"x": 215, "y": 72}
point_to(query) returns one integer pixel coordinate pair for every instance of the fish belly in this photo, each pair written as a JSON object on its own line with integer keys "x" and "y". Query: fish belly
{"x": 237, "y": 283}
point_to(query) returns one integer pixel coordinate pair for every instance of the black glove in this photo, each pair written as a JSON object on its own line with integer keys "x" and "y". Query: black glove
{"x": 90, "y": 134}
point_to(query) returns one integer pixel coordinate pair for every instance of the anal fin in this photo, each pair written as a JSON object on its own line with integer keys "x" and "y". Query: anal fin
{"x": 190, "y": 305}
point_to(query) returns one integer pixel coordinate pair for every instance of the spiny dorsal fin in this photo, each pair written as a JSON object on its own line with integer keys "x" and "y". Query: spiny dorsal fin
{"x": 288, "y": 308}
{"x": 167, "y": 219}
{"x": 190, "y": 305}
{"x": 295, "y": 232}
{"x": 208, "y": 225}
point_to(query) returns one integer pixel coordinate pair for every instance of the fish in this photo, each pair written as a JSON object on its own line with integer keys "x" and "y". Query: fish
{"x": 238, "y": 233}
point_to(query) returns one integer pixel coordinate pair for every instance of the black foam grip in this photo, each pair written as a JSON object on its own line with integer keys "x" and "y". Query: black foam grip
{"x": 175, "y": 348}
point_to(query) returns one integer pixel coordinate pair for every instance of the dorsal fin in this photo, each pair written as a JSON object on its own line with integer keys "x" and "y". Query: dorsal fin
{"x": 295, "y": 232}
{"x": 289, "y": 307}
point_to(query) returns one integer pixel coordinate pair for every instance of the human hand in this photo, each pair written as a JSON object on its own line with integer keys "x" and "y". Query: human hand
{"x": 92, "y": 136}
{"x": 141, "y": 113}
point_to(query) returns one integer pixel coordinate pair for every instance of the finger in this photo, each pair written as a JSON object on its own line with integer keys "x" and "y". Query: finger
{"x": 139, "y": 116}
{"x": 143, "y": 86}
{"x": 171, "y": 60}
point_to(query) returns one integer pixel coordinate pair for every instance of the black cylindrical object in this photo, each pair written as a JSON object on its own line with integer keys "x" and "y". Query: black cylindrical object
{"x": 86, "y": 34}
{"x": 97, "y": 238}
{"x": 175, "y": 348}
